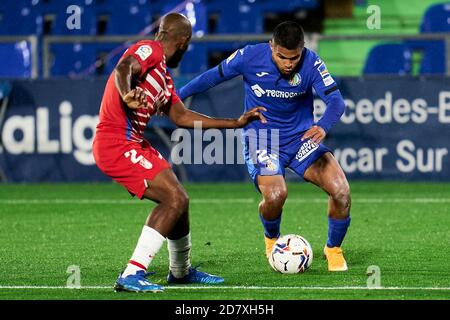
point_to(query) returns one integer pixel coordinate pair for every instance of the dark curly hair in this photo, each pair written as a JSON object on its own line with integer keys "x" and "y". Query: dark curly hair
{"x": 289, "y": 35}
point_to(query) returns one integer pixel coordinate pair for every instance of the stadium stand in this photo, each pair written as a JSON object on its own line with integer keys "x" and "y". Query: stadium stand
{"x": 18, "y": 57}
{"x": 196, "y": 59}
{"x": 396, "y": 19}
{"x": 436, "y": 18}
{"x": 20, "y": 18}
{"x": 389, "y": 59}
{"x": 431, "y": 55}
{"x": 122, "y": 18}
{"x": 71, "y": 59}
{"x": 137, "y": 18}
{"x": 61, "y": 23}
{"x": 113, "y": 51}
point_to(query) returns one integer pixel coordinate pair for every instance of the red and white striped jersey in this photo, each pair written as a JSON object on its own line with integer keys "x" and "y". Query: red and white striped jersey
{"x": 116, "y": 118}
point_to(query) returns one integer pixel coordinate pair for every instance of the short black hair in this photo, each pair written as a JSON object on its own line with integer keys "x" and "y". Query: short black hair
{"x": 289, "y": 35}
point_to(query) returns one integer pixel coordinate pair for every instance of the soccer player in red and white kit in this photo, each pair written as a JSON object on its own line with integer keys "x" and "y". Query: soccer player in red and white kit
{"x": 139, "y": 87}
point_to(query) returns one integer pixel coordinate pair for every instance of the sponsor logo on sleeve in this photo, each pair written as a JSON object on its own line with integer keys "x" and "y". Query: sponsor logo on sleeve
{"x": 325, "y": 74}
{"x": 144, "y": 52}
{"x": 231, "y": 57}
{"x": 328, "y": 81}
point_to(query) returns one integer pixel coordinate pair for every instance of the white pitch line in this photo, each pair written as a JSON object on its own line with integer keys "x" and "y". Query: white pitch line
{"x": 234, "y": 288}
{"x": 220, "y": 201}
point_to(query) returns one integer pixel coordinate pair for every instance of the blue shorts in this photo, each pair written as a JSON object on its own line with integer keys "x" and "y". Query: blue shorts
{"x": 295, "y": 154}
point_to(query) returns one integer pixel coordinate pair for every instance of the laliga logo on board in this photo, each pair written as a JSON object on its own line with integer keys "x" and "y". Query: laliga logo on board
{"x": 28, "y": 134}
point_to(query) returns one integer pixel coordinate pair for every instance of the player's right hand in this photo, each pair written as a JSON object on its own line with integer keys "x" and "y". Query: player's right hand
{"x": 136, "y": 99}
{"x": 252, "y": 115}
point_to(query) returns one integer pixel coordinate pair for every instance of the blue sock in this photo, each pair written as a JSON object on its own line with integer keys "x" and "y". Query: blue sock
{"x": 271, "y": 227}
{"x": 336, "y": 231}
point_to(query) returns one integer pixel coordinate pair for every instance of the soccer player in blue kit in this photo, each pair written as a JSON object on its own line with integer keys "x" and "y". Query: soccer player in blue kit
{"x": 280, "y": 76}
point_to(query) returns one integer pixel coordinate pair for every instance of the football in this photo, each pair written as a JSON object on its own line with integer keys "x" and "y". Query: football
{"x": 291, "y": 254}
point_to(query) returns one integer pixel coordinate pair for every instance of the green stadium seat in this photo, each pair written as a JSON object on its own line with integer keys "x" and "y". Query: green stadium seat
{"x": 347, "y": 57}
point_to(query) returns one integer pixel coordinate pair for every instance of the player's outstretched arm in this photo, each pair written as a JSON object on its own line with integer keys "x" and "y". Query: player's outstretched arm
{"x": 185, "y": 118}
{"x": 226, "y": 70}
{"x": 202, "y": 82}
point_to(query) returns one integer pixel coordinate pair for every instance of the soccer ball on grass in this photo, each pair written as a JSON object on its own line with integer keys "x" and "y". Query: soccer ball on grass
{"x": 291, "y": 254}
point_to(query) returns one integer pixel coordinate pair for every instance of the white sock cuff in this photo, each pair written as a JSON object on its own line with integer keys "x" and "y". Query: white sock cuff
{"x": 151, "y": 233}
{"x": 180, "y": 244}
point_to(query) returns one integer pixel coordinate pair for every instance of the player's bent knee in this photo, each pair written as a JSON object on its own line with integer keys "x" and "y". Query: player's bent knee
{"x": 342, "y": 196}
{"x": 179, "y": 201}
{"x": 275, "y": 196}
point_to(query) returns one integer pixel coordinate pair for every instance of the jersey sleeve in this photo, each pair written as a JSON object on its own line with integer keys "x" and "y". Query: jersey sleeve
{"x": 226, "y": 70}
{"x": 174, "y": 98}
{"x": 328, "y": 91}
{"x": 145, "y": 54}
{"x": 234, "y": 64}
{"x": 323, "y": 82}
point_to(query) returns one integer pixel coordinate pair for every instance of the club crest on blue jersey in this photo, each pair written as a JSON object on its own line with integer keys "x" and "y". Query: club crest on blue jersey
{"x": 296, "y": 79}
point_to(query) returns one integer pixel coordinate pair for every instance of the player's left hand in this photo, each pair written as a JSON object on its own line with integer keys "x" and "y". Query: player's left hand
{"x": 136, "y": 99}
{"x": 315, "y": 133}
{"x": 250, "y": 116}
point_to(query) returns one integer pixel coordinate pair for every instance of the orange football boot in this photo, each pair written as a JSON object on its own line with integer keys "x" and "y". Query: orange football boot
{"x": 335, "y": 258}
{"x": 269, "y": 245}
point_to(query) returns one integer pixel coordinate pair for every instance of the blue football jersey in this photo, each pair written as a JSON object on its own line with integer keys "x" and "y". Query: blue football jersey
{"x": 289, "y": 102}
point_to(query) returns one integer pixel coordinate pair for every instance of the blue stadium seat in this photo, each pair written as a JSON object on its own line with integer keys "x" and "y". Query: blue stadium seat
{"x": 20, "y": 17}
{"x": 196, "y": 12}
{"x": 71, "y": 59}
{"x": 433, "y": 55}
{"x": 247, "y": 16}
{"x": 16, "y": 58}
{"x": 195, "y": 60}
{"x": 106, "y": 5}
{"x": 389, "y": 59}
{"x": 128, "y": 19}
{"x": 240, "y": 16}
{"x": 436, "y": 18}
{"x": 62, "y": 19}
{"x": 115, "y": 50}
{"x": 287, "y": 6}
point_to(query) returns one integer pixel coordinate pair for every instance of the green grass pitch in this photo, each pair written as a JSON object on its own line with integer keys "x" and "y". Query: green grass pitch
{"x": 403, "y": 228}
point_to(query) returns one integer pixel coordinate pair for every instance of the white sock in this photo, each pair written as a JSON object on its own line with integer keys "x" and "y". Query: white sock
{"x": 148, "y": 245}
{"x": 180, "y": 256}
